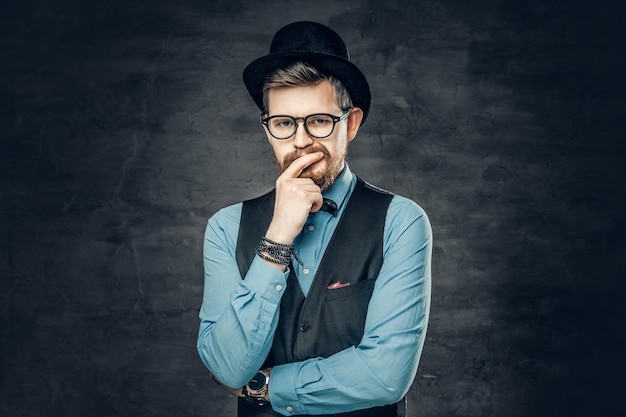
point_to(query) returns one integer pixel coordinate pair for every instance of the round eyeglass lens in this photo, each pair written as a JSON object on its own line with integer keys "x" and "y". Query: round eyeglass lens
{"x": 319, "y": 125}
{"x": 281, "y": 127}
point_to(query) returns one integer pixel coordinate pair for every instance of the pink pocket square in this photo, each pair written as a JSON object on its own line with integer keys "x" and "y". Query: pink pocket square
{"x": 337, "y": 285}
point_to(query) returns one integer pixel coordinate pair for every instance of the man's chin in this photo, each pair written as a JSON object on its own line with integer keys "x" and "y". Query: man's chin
{"x": 323, "y": 179}
{"x": 317, "y": 170}
{"x": 320, "y": 172}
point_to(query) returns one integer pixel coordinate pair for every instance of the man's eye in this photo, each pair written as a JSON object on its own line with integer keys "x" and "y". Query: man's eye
{"x": 320, "y": 121}
{"x": 282, "y": 123}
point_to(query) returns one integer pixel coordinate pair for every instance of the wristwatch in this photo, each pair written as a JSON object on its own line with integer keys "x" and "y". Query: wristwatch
{"x": 256, "y": 390}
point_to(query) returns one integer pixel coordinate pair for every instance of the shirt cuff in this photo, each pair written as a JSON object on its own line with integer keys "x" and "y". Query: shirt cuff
{"x": 287, "y": 381}
{"x": 266, "y": 281}
{"x": 282, "y": 390}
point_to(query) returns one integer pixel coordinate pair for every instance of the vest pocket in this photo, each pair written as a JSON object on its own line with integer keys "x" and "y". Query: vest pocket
{"x": 343, "y": 314}
{"x": 361, "y": 287}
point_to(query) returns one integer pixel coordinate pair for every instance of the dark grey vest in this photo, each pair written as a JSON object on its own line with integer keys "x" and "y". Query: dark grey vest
{"x": 326, "y": 321}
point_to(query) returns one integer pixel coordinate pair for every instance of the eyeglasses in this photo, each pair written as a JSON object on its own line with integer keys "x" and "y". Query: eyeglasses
{"x": 319, "y": 125}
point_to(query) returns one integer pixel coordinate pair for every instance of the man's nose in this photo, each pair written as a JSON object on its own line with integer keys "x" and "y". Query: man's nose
{"x": 301, "y": 137}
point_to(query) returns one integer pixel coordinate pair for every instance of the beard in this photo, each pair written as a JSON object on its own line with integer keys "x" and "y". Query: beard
{"x": 323, "y": 177}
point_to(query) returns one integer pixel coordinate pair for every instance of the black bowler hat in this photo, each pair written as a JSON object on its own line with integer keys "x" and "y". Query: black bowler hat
{"x": 320, "y": 47}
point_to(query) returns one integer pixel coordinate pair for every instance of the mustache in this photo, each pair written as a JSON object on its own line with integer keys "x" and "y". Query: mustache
{"x": 292, "y": 156}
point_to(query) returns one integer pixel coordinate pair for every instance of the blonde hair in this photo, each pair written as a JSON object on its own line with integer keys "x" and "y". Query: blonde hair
{"x": 300, "y": 73}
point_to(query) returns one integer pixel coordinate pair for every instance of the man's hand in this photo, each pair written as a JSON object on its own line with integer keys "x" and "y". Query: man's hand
{"x": 238, "y": 392}
{"x": 295, "y": 198}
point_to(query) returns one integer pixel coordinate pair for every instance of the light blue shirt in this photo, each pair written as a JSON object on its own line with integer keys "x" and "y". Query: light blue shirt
{"x": 238, "y": 317}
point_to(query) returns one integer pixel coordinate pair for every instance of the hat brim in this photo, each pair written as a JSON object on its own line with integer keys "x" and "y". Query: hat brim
{"x": 342, "y": 69}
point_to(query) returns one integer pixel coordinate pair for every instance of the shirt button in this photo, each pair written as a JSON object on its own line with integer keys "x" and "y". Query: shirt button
{"x": 311, "y": 228}
{"x": 279, "y": 287}
{"x": 306, "y": 271}
{"x": 304, "y": 327}
{"x": 289, "y": 409}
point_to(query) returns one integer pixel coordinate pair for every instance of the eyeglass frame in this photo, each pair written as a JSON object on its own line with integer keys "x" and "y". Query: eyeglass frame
{"x": 335, "y": 119}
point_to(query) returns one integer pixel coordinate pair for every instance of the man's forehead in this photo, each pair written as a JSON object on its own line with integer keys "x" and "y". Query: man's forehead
{"x": 306, "y": 99}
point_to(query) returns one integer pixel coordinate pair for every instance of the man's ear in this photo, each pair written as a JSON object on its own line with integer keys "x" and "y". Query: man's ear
{"x": 354, "y": 122}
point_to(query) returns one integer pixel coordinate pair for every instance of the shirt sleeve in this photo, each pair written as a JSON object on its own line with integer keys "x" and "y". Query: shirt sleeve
{"x": 380, "y": 370}
{"x": 238, "y": 316}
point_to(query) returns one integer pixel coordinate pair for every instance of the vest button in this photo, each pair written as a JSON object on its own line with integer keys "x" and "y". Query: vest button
{"x": 304, "y": 327}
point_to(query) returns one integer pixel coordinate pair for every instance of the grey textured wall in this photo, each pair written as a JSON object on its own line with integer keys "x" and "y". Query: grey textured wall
{"x": 125, "y": 125}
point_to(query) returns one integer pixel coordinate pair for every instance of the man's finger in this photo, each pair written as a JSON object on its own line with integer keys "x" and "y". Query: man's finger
{"x": 295, "y": 169}
{"x": 317, "y": 204}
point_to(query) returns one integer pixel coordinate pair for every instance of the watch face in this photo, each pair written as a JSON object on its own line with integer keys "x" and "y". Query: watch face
{"x": 258, "y": 382}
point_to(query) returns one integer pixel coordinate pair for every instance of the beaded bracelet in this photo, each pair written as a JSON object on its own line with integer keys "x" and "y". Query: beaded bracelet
{"x": 271, "y": 255}
{"x": 279, "y": 253}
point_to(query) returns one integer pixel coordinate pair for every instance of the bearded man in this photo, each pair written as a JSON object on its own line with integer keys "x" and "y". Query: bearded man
{"x": 316, "y": 294}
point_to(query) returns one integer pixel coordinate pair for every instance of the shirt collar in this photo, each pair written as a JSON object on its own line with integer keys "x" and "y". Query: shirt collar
{"x": 340, "y": 188}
